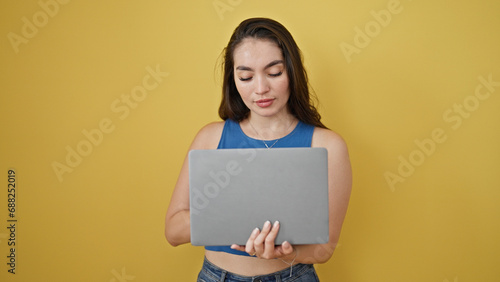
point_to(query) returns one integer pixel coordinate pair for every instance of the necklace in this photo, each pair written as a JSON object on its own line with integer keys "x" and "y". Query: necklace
{"x": 267, "y": 146}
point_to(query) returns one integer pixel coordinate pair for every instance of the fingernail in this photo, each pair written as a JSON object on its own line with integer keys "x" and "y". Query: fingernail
{"x": 267, "y": 224}
{"x": 276, "y": 223}
{"x": 255, "y": 231}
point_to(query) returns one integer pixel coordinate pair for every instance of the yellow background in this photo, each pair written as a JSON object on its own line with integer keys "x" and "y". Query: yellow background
{"x": 104, "y": 221}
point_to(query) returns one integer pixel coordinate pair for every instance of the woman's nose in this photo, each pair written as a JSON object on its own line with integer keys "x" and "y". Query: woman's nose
{"x": 262, "y": 86}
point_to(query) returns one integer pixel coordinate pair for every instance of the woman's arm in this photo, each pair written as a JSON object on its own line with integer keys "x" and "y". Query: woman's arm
{"x": 339, "y": 190}
{"x": 261, "y": 242}
{"x": 177, "y": 220}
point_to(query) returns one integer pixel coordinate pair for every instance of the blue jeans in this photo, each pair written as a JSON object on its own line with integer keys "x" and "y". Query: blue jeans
{"x": 300, "y": 273}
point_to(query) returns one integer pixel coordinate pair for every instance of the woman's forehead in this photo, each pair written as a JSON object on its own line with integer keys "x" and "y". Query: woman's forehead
{"x": 255, "y": 53}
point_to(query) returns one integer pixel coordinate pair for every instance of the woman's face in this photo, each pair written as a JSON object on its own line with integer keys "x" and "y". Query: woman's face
{"x": 260, "y": 77}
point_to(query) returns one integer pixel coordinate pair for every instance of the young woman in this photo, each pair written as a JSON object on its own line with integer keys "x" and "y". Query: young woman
{"x": 265, "y": 104}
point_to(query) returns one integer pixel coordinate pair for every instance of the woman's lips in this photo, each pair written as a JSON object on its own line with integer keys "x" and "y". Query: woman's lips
{"x": 264, "y": 103}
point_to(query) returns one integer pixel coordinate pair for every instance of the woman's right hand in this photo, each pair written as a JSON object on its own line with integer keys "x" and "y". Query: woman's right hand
{"x": 262, "y": 243}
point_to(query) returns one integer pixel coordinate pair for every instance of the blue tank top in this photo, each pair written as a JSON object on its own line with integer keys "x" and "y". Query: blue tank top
{"x": 233, "y": 138}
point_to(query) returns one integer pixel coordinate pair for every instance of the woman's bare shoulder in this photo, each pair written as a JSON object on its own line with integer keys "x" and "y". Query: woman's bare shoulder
{"x": 329, "y": 139}
{"x": 208, "y": 136}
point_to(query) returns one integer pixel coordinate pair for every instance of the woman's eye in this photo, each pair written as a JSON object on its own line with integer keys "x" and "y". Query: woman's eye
{"x": 271, "y": 74}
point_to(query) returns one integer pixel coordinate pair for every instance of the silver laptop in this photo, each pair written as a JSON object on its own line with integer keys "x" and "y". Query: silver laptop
{"x": 233, "y": 191}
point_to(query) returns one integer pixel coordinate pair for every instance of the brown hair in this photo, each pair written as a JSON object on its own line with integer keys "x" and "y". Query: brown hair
{"x": 299, "y": 103}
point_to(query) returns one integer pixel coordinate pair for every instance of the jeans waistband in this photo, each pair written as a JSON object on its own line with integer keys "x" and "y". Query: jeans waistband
{"x": 281, "y": 275}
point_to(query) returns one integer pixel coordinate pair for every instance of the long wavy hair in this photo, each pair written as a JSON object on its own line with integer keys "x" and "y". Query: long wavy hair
{"x": 300, "y": 102}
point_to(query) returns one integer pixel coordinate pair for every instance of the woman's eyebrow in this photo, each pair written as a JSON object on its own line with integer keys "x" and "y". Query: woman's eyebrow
{"x": 273, "y": 63}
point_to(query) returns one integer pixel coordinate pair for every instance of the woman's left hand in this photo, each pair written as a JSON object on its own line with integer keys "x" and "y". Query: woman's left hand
{"x": 261, "y": 243}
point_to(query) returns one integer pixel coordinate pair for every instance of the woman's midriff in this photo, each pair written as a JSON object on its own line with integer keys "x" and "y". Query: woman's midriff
{"x": 243, "y": 265}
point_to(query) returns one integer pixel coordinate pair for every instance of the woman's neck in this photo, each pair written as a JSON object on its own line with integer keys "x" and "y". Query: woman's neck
{"x": 269, "y": 128}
